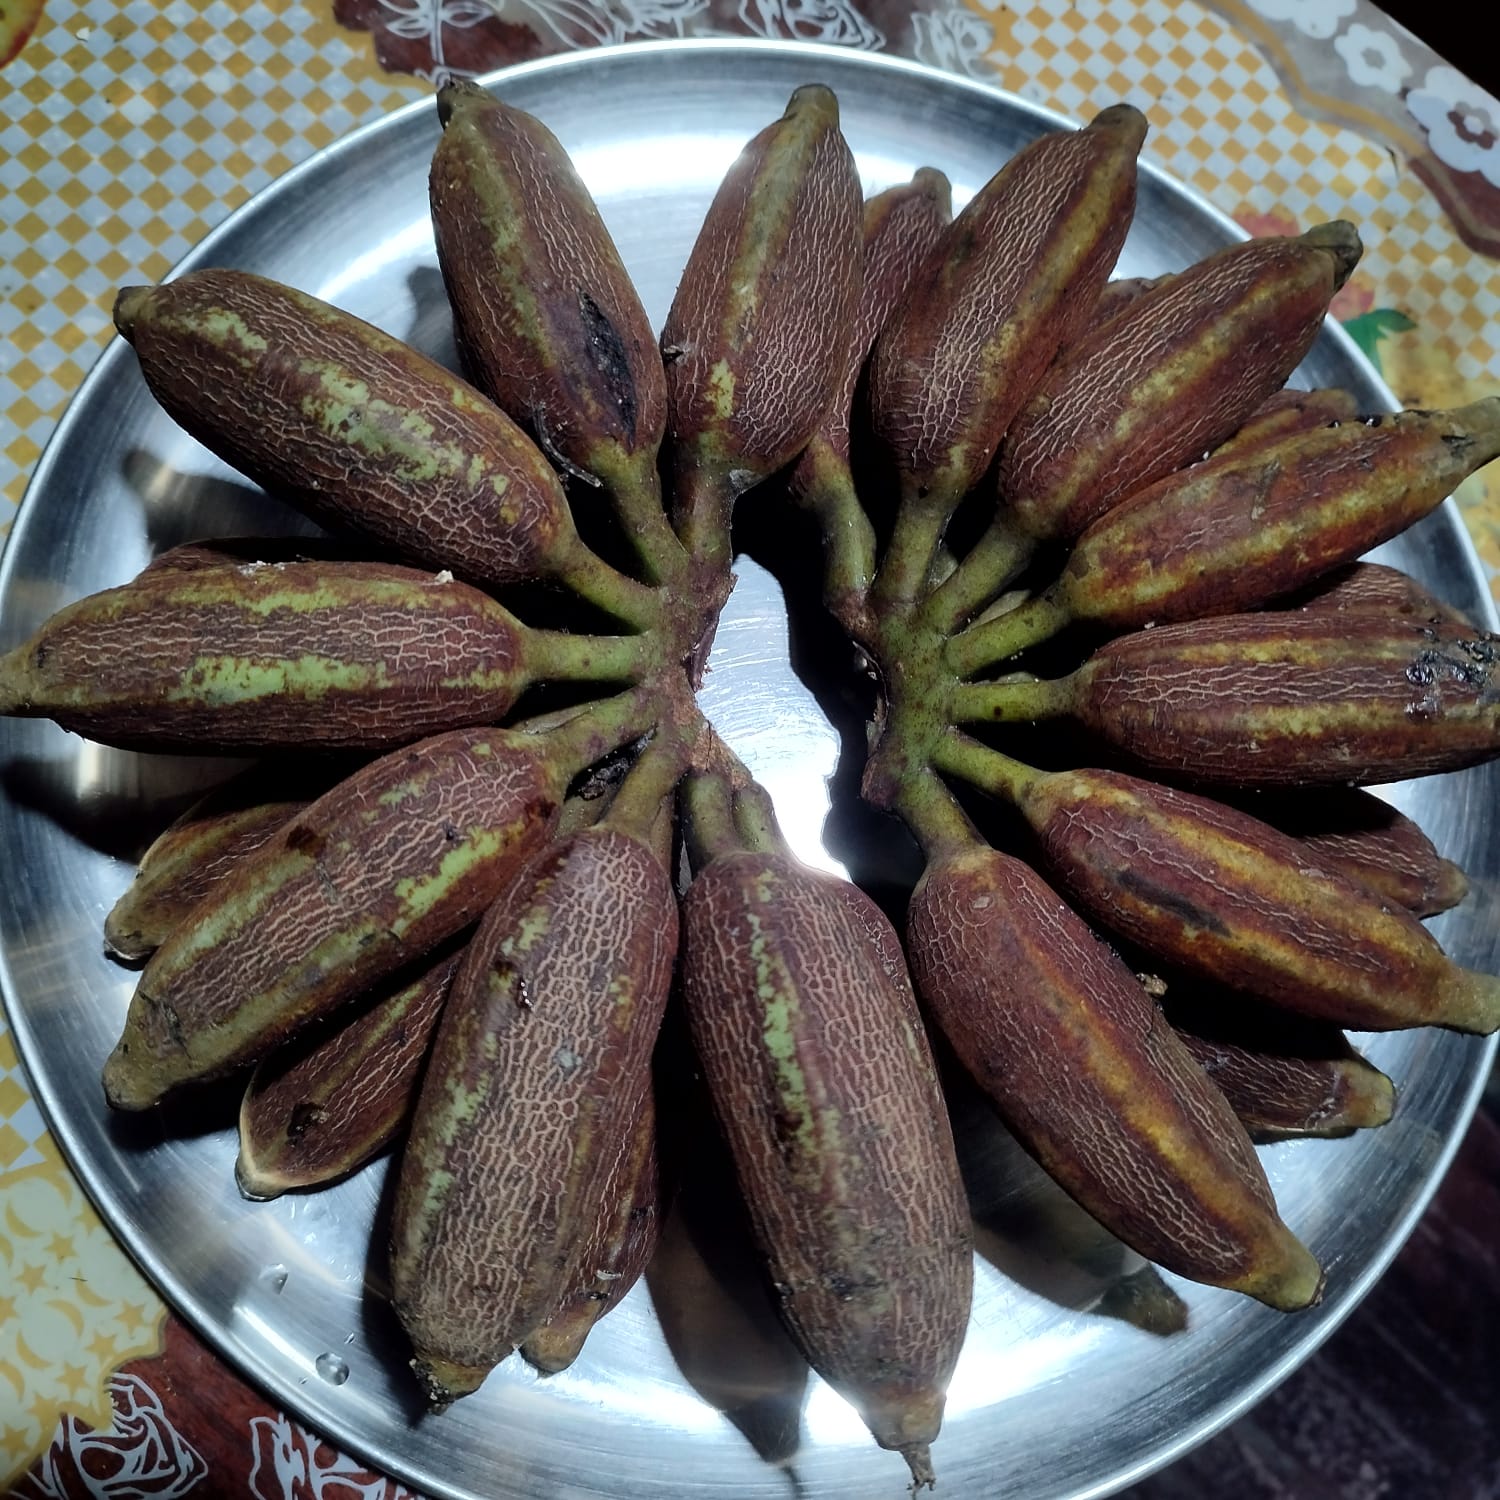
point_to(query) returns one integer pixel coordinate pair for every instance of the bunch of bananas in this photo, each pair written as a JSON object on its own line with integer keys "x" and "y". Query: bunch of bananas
{"x": 444, "y": 912}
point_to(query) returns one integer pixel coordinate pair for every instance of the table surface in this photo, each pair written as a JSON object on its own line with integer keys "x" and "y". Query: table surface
{"x": 129, "y": 128}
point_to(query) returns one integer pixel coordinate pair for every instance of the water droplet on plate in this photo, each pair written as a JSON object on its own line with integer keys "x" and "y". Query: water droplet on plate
{"x": 274, "y": 1277}
{"x": 331, "y": 1368}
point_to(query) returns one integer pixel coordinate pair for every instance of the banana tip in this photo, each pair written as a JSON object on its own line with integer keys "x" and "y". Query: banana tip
{"x": 1296, "y": 1284}
{"x": 457, "y": 92}
{"x": 1469, "y": 1001}
{"x": 129, "y": 301}
{"x": 123, "y": 1089}
{"x": 935, "y": 185}
{"x": 16, "y": 680}
{"x": 124, "y": 942}
{"x": 1122, "y": 117}
{"x": 1480, "y": 422}
{"x": 817, "y": 97}
{"x": 1372, "y": 1100}
{"x": 554, "y": 1346}
{"x": 444, "y": 1381}
{"x": 1340, "y": 239}
{"x": 254, "y": 1184}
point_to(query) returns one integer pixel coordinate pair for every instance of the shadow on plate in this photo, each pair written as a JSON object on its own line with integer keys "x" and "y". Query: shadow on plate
{"x": 707, "y": 1286}
{"x": 180, "y": 505}
{"x": 113, "y": 801}
{"x": 1029, "y": 1229}
{"x": 431, "y": 330}
{"x": 380, "y": 1329}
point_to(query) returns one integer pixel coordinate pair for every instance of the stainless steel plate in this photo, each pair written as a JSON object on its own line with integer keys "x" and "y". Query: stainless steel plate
{"x": 1058, "y": 1393}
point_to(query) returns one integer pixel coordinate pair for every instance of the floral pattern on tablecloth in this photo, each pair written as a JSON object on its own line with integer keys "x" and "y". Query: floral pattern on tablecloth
{"x": 129, "y": 128}
{"x": 1344, "y": 60}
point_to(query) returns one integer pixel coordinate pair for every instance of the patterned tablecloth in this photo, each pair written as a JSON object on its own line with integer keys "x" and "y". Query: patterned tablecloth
{"x": 128, "y": 130}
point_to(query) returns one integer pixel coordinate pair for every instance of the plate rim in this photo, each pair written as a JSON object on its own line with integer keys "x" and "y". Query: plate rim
{"x": 1217, "y": 1417}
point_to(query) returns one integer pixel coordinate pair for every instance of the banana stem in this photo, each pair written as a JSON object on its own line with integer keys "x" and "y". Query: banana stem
{"x": 582, "y": 811}
{"x": 705, "y": 505}
{"x": 755, "y": 817}
{"x": 654, "y": 777}
{"x": 987, "y": 643}
{"x": 590, "y": 577}
{"x": 635, "y": 490}
{"x": 557, "y": 656}
{"x": 576, "y": 742}
{"x": 848, "y": 537}
{"x": 932, "y": 813}
{"x": 998, "y": 556}
{"x": 907, "y": 564}
{"x": 1014, "y": 702}
{"x": 662, "y": 831}
{"x": 956, "y": 754}
{"x": 708, "y": 817}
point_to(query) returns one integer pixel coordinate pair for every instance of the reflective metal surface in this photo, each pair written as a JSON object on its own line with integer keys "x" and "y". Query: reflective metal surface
{"x": 1077, "y": 1375}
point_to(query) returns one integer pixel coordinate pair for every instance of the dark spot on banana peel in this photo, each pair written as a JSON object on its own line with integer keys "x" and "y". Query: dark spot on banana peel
{"x": 301, "y": 839}
{"x": 1169, "y": 900}
{"x": 611, "y": 359}
{"x": 303, "y": 1117}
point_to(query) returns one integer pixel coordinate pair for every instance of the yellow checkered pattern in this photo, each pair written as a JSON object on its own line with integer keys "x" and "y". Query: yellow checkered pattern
{"x": 21, "y": 1128}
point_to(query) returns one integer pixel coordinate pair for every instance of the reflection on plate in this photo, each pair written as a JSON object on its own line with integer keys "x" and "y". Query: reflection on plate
{"x": 1078, "y": 1374}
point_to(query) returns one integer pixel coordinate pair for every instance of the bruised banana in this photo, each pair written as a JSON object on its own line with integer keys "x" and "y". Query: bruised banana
{"x": 1280, "y": 699}
{"x": 374, "y": 874}
{"x": 1017, "y": 273}
{"x": 1264, "y": 520}
{"x": 1250, "y": 524}
{"x": 1226, "y": 897}
{"x": 368, "y": 434}
{"x": 545, "y": 314}
{"x": 809, "y": 1039}
{"x": 900, "y": 228}
{"x": 292, "y": 655}
{"x": 1375, "y": 588}
{"x": 243, "y": 551}
{"x": 1165, "y": 380}
{"x": 1284, "y": 1081}
{"x": 198, "y": 852}
{"x": 1173, "y": 375}
{"x": 533, "y": 1081}
{"x": 1355, "y": 833}
{"x": 1289, "y": 412}
{"x": 331, "y": 1100}
{"x": 753, "y": 362}
{"x": 901, "y": 225}
{"x": 1093, "y": 1081}
{"x": 615, "y": 1252}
